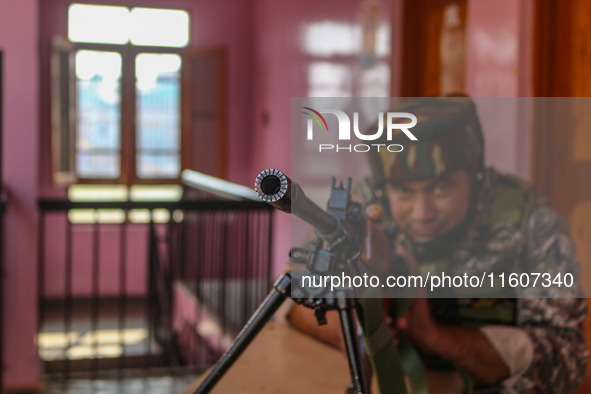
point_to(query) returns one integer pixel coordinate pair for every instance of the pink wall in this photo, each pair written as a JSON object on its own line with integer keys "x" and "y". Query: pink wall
{"x": 18, "y": 39}
{"x": 493, "y": 48}
{"x": 229, "y": 23}
{"x": 206, "y": 31}
{"x": 499, "y": 64}
{"x": 226, "y": 23}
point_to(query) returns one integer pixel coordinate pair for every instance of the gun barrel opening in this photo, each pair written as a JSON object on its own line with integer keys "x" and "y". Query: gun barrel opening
{"x": 276, "y": 189}
{"x": 271, "y": 184}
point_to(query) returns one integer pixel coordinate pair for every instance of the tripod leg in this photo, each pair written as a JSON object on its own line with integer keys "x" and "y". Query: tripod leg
{"x": 254, "y": 325}
{"x": 346, "y": 307}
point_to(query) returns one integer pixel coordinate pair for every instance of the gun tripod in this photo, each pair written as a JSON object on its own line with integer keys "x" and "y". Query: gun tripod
{"x": 280, "y": 292}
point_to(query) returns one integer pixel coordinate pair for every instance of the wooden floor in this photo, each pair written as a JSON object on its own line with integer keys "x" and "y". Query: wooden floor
{"x": 93, "y": 349}
{"x": 283, "y": 360}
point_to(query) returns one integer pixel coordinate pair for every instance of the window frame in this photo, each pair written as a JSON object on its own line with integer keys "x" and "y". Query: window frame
{"x": 128, "y": 109}
{"x": 197, "y": 142}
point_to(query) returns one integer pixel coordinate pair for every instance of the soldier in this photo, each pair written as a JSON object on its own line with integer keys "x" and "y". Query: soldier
{"x": 455, "y": 216}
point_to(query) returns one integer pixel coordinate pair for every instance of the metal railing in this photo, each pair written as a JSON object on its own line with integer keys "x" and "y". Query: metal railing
{"x": 2, "y": 209}
{"x": 116, "y": 297}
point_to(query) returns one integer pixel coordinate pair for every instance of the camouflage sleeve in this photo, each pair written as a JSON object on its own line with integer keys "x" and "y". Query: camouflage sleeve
{"x": 555, "y": 325}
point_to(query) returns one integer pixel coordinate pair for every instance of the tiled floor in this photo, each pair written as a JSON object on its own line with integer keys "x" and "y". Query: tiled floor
{"x": 89, "y": 331}
{"x": 97, "y": 355}
{"x": 130, "y": 385}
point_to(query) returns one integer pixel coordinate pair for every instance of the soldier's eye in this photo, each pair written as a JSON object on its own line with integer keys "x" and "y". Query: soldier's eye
{"x": 441, "y": 188}
{"x": 403, "y": 193}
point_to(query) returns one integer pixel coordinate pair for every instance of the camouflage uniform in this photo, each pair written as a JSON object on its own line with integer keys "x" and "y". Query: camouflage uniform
{"x": 510, "y": 228}
{"x": 554, "y": 325}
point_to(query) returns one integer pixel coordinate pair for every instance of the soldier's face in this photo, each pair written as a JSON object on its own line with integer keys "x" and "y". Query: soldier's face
{"x": 429, "y": 208}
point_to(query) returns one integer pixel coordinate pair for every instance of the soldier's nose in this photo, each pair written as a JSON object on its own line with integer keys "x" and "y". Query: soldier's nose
{"x": 423, "y": 209}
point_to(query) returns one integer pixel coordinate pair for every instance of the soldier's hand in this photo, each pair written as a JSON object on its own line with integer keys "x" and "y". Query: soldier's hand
{"x": 419, "y": 326}
{"x": 375, "y": 241}
{"x": 417, "y": 323}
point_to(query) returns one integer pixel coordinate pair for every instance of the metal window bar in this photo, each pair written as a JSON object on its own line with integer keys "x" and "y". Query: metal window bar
{"x": 94, "y": 305}
{"x": 122, "y": 304}
{"x": 153, "y": 264}
{"x": 2, "y": 209}
{"x": 68, "y": 301}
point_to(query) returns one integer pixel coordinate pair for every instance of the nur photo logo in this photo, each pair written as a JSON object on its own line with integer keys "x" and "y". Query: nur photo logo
{"x": 388, "y": 122}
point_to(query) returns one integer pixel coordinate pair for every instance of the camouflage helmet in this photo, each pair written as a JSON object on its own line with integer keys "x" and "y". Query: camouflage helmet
{"x": 448, "y": 135}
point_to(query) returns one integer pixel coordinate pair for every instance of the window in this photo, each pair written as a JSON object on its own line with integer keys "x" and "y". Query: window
{"x": 101, "y": 149}
{"x": 131, "y": 105}
{"x": 118, "y": 110}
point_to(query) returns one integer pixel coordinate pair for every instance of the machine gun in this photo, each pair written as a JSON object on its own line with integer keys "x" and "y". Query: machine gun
{"x": 337, "y": 248}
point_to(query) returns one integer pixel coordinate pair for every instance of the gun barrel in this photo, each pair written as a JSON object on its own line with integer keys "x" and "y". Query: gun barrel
{"x": 276, "y": 189}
